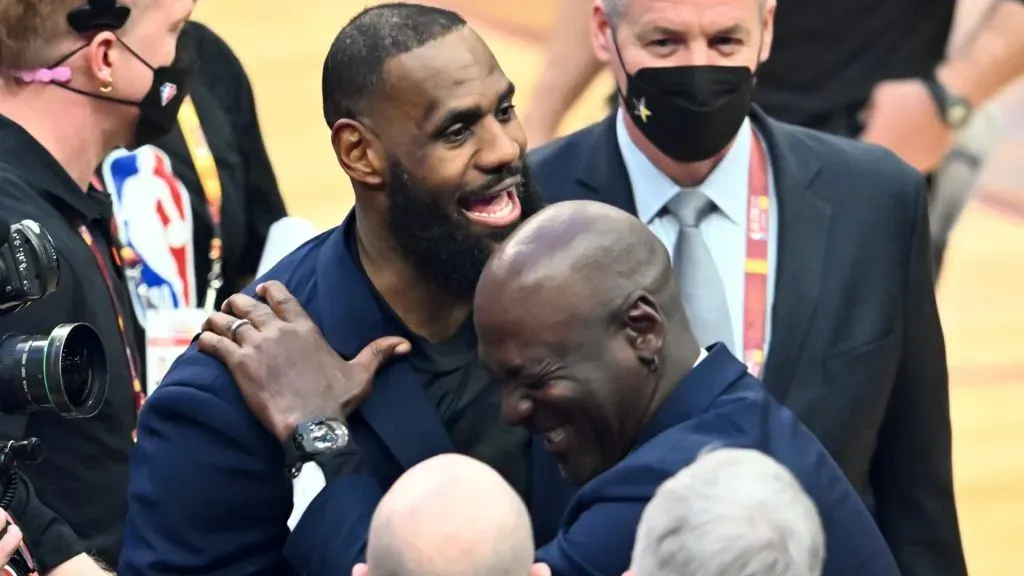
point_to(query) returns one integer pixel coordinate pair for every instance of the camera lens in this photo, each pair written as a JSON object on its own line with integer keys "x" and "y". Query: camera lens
{"x": 65, "y": 371}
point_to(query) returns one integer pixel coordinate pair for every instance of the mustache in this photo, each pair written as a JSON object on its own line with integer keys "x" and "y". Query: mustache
{"x": 494, "y": 180}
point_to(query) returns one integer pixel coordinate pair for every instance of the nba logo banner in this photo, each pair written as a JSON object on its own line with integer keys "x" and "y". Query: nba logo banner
{"x": 153, "y": 211}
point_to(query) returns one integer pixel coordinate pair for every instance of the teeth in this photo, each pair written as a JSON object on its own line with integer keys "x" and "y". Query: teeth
{"x": 555, "y": 435}
{"x": 505, "y": 209}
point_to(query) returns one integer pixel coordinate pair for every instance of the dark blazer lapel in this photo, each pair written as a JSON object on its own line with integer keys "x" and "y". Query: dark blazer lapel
{"x": 802, "y": 241}
{"x": 602, "y": 170}
{"x": 397, "y": 409}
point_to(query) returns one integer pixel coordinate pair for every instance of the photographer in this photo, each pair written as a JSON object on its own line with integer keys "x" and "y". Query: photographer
{"x": 77, "y": 79}
{"x": 56, "y": 549}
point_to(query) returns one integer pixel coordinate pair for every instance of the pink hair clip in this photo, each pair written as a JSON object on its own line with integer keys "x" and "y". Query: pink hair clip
{"x": 59, "y": 75}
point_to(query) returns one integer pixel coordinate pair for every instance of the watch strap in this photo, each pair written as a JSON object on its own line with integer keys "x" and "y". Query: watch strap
{"x": 938, "y": 93}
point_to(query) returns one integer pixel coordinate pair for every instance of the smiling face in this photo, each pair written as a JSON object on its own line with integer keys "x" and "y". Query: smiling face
{"x": 456, "y": 183}
{"x": 567, "y": 375}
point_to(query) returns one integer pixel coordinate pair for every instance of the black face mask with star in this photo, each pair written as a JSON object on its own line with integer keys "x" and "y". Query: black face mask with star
{"x": 689, "y": 113}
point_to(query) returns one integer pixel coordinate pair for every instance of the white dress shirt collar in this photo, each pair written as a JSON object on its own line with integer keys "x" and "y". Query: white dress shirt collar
{"x": 652, "y": 189}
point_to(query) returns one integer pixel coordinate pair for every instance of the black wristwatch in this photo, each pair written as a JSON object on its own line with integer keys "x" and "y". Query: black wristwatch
{"x": 316, "y": 437}
{"x": 954, "y": 109}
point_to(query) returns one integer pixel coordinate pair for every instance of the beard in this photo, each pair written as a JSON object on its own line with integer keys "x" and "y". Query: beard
{"x": 438, "y": 240}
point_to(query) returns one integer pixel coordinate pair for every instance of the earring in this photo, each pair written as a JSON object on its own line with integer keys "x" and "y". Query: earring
{"x": 651, "y": 363}
{"x": 107, "y": 86}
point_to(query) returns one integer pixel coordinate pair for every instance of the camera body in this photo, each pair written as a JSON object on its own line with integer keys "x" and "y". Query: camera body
{"x": 66, "y": 370}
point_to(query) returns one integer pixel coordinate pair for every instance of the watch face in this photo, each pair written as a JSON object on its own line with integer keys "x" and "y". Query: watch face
{"x": 325, "y": 436}
{"x": 957, "y": 114}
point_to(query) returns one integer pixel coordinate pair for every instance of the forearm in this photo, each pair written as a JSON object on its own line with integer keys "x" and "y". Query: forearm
{"x": 994, "y": 59}
{"x": 569, "y": 66}
{"x": 81, "y": 565}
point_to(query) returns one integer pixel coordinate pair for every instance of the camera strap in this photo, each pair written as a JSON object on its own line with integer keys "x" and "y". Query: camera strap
{"x": 209, "y": 180}
{"x": 83, "y": 231}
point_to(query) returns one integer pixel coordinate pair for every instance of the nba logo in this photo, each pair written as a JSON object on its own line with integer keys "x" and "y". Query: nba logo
{"x": 154, "y": 221}
{"x": 167, "y": 93}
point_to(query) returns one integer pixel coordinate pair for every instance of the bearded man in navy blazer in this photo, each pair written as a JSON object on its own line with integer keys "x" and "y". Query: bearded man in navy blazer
{"x": 802, "y": 252}
{"x": 423, "y": 123}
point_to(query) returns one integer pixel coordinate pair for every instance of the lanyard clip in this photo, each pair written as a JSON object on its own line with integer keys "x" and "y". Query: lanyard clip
{"x": 214, "y": 281}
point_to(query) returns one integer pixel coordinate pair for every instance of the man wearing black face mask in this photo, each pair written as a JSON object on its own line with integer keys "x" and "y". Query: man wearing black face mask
{"x": 805, "y": 254}
{"x": 76, "y": 80}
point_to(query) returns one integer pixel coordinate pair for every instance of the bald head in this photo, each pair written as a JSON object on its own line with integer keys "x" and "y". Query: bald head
{"x": 594, "y": 251}
{"x": 450, "y": 516}
{"x": 580, "y": 319}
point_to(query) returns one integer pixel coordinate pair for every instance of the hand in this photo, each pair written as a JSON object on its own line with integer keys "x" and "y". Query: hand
{"x": 902, "y": 116}
{"x": 10, "y": 541}
{"x": 287, "y": 373}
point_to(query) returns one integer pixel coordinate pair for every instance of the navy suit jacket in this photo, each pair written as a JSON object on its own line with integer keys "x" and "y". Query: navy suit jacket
{"x": 857, "y": 350}
{"x": 718, "y": 404}
{"x": 208, "y": 492}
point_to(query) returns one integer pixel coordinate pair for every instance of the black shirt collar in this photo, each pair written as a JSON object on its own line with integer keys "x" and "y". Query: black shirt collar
{"x": 42, "y": 171}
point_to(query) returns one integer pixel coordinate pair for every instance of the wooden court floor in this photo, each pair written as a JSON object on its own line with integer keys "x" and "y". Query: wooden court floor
{"x": 979, "y": 295}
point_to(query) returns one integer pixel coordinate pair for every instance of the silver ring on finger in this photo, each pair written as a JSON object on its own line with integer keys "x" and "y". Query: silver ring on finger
{"x": 238, "y": 324}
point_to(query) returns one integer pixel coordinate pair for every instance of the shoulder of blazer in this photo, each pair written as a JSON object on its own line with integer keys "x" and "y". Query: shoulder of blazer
{"x": 879, "y": 173}
{"x": 565, "y": 154}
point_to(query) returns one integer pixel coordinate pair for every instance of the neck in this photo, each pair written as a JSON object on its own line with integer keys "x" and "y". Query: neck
{"x": 677, "y": 361}
{"x": 685, "y": 174}
{"x": 58, "y": 122}
{"x": 425, "y": 309}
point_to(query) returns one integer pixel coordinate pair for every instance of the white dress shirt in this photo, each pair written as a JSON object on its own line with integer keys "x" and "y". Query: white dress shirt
{"x": 724, "y": 230}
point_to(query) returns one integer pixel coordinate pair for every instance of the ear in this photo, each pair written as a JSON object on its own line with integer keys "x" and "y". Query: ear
{"x": 644, "y": 325}
{"x": 359, "y": 152}
{"x": 600, "y": 33}
{"x": 768, "y": 31}
{"x": 361, "y": 569}
{"x": 540, "y": 569}
{"x": 102, "y": 61}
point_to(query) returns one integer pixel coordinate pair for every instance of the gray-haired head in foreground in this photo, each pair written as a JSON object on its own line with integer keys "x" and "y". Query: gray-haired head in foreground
{"x": 615, "y": 9}
{"x": 732, "y": 511}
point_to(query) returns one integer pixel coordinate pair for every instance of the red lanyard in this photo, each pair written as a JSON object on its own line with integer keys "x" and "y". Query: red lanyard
{"x": 140, "y": 394}
{"x": 755, "y": 293}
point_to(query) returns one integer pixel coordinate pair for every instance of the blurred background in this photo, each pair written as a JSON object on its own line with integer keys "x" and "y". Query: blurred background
{"x": 979, "y": 295}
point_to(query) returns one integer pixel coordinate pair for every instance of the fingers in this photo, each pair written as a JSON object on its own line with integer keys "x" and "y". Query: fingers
{"x": 220, "y": 347}
{"x": 361, "y": 569}
{"x": 220, "y": 324}
{"x": 247, "y": 307}
{"x": 9, "y": 543}
{"x": 540, "y": 569}
{"x": 281, "y": 301}
{"x": 378, "y": 352}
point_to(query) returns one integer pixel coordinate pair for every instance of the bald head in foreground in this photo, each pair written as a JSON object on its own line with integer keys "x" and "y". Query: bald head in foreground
{"x": 733, "y": 511}
{"x": 450, "y": 515}
{"x": 580, "y": 322}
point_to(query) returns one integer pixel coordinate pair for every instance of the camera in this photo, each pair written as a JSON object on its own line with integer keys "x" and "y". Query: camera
{"x": 65, "y": 371}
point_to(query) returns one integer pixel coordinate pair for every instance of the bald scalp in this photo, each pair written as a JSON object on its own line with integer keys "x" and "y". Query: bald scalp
{"x": 595, "y": 252}
{"x": 450, "y": 515}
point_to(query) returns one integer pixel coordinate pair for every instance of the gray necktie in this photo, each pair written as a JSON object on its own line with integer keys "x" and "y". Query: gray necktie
{"x": 703, "y": 291}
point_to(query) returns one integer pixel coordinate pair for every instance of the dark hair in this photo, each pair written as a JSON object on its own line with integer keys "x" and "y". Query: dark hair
{"x": 355, "y": 63}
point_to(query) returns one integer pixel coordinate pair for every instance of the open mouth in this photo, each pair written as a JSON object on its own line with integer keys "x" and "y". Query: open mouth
{"x": 556, "y": 439}
{"x": 496, "y": 209}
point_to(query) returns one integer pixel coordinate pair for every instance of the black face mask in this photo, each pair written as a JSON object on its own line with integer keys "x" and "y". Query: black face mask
{"x": 689, "y": 113}
{"x": 159, "y": 107}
